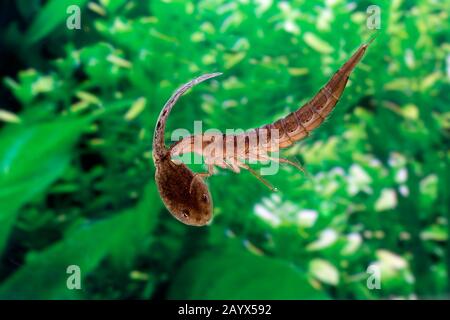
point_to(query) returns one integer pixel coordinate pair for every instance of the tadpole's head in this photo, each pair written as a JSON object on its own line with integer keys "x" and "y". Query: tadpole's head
{"x": 187, "y": 200}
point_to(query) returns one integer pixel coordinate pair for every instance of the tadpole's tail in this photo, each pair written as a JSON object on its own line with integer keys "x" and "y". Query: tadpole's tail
{"x": 159, "y": 148}
{"x": 301, "y": 122}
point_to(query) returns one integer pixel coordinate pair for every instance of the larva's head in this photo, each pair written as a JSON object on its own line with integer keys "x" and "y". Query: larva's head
{"x": 187, "y": 200}
{"x": 202, "y": 144}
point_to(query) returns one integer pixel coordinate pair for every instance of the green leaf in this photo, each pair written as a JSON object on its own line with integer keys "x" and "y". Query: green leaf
{"x": 112, "y": 5}
{"x": 50, "y": 16}
{"x": 317, "y": 43}
{"x": 324, "y": 271}
{"x": 435, "y": 233}
{"x": 44, "y": 274}
{"x": 31, "y": 158}
{"x": 240, "y": 275}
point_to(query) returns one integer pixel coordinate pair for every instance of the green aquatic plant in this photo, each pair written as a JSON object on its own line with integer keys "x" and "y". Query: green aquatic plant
{"x": 83, "y": 193}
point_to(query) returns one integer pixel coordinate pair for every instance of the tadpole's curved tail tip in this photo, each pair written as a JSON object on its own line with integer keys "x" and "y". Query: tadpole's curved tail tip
{"x": 205, "y": 76}
{"x": 214, "y": 74}
{"x": 372, "y": 38}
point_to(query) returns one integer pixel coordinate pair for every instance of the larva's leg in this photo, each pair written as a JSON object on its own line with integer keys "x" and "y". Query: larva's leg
{"x": 283, "y": 160}
{"x": 292, "y": 163}
{"x": 258, "y": 176}
{"x": 257, "y": 157}
{"x": 202, "y": 175}
{"x": 233, "y": 165}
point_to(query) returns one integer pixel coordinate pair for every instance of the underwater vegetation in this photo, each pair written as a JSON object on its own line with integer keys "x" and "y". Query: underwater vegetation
{"x": 78, "y": 109}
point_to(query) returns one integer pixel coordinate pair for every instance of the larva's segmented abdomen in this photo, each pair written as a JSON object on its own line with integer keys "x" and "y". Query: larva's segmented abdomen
{"x": 298, "y": 124}
{"x": 271, "y": 137}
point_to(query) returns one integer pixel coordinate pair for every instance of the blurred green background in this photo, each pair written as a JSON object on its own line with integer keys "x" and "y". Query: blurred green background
{"x": 77, "y": 113}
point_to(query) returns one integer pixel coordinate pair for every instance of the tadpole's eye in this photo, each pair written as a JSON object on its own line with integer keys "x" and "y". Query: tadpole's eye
{"x": 185, "y": 213}
{"x": 204, "y": 198}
